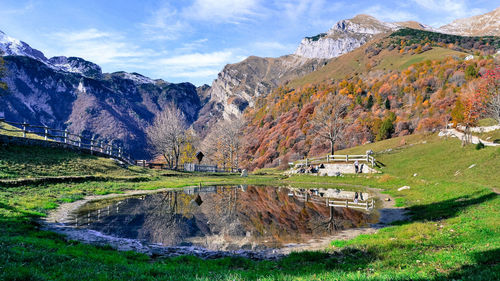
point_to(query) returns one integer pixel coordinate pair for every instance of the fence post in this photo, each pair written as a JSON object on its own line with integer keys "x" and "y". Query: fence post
{"x": 24, "y": 129}
{"x": 347, "y": 158}
{"x": 120, "y": 152}
{"x": 66, "y": 136}
{"x": 79, "y": 141}
{"x": 307, "y": 162}
{"x": 46, "y": 129}
{"x": 373, "y": 161}
{"x": 327, "y": 158}
{"x": 327, "y": 202}
{"x": 347, "y": 203}
{"x": 367, "y": 204}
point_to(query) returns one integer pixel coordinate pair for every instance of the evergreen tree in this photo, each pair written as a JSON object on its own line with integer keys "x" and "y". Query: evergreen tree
{"x": 369, "y": 103}
{"x": 387, "y": 103}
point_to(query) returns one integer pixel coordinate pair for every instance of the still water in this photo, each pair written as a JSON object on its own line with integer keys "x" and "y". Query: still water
{"x": 222, "y": 217}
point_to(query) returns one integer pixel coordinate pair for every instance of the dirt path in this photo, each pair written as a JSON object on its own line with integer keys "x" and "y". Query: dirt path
{"x": 460, "y": 136}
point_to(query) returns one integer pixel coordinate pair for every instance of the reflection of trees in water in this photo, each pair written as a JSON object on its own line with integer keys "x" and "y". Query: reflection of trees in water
{"x": 231, "y": 213}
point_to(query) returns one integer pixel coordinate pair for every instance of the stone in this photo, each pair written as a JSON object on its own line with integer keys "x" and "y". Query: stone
{"x": 415, "y": 174}
{"x": 244, "y": 173}
{"x": 387, "y": 199}
{"x": 403, "y": 188}
{"x": 472, "y": 166}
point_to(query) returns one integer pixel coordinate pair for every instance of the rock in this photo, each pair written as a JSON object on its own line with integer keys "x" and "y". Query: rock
{"x": 415, "y": 174}
{"x": 343, "y": 37}
{"x": 472, "y": 166}
{"x": 244, "y": 173}
{"x": 403, "y": 188}
{"x": 387, "y": 199}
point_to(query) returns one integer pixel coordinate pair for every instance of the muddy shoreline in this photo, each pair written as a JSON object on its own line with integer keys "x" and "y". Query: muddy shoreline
{"x": 58, "y": 221}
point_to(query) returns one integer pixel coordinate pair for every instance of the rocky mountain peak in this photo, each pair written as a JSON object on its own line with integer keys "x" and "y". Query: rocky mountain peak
{"x": 77, "y": 65}
{"x": 13, "y": 47}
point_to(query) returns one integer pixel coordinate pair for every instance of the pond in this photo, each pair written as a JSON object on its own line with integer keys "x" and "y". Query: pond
{"x": 226, "y": 218}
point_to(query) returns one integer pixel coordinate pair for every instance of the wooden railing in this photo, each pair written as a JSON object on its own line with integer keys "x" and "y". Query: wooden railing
{"x": 64, "y": 136}
{"x": 338, "y": 158}
{"x": 335, "y": 202}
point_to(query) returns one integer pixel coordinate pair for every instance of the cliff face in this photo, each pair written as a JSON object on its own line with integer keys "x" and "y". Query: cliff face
{"x": 343, "y": 37}
{"x": 237, "y": 85}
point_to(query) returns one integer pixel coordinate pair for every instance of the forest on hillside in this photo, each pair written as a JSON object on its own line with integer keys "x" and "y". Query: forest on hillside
{"x": 424, "y": 97}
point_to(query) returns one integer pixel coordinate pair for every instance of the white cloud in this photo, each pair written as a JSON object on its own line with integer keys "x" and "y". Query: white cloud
{"x": 316, "y": 12}
{"x": 232, "y": 11}
{"x": 198, "y": 60}
{"x": 391, "y": 15}
{"x": 165, "y": 24}
{"x": 195, "y": 66}
{"x": 273, "y": 46}
{"x": 95, "y": 45}
{"x": 450, "y": 9}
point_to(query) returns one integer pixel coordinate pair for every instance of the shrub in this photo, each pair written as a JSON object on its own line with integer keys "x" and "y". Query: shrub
{"x": 479, "y": 145}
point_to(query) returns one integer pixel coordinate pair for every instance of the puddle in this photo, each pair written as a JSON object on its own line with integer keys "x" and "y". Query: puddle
{"x": 221, "y": 218}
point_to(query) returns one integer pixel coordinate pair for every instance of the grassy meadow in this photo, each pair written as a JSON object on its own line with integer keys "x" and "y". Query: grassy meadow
{"x": 453, "y": 233}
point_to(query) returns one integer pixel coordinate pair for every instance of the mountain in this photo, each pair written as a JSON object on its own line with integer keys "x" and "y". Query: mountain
{"x": 481, "y": 25}
{"x": 343, "y": 37}
{"x": 73, "y": 93}
{"x": 12, "y": 47}
{"x": 348, "y": 35}
{"x": 237, "y": 85}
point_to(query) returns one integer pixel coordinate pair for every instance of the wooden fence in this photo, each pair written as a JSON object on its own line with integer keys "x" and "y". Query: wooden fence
{"x": 335, "y": 202}
{"x": 64, "y": 136}
{"x": 337, "y": 158}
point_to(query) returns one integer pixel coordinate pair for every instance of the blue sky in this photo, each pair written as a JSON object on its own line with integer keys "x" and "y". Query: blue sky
{"x": 192, "y": 40}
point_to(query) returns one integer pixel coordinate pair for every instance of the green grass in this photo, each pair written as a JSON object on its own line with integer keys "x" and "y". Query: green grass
{"x": 487, "y": 122}
{"x": 9, "y": 130}
{"x": 27, "y": 162}
{"x": 454, "y": 232}
{"x": 493, "y": 136}
{"x": 403, "y": 61}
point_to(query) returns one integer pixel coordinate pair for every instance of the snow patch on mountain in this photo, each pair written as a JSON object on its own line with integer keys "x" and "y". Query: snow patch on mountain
{"x": 14, "y": 47}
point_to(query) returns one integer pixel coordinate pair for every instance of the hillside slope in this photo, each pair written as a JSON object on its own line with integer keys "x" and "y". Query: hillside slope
{"x": 406, "y": 82}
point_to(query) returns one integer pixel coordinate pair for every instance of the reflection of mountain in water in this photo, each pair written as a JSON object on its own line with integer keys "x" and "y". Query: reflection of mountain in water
{"x": 219, "y": 218}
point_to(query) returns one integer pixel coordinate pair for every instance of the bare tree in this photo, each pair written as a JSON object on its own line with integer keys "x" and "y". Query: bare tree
{"x": 328, "y": 121}
{"x": 494, "y": 107}
{"x": 223, "y": 143}
{"x": 167, "y": 135}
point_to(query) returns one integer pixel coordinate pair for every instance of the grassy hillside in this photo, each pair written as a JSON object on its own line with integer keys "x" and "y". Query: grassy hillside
{"x": 9, "y": 130}
{"x": 454, "y": 232}
{"x": 27, "y": 162}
